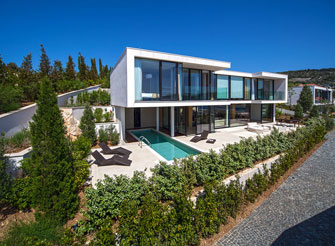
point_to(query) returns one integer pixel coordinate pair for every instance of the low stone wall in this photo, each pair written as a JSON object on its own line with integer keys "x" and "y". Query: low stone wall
{"x": 15, "y": 121}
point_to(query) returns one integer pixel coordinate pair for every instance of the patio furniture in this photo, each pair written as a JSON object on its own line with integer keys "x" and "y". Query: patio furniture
{"x": 211, "y": 141}
{"x": 203, "y": 136}
{"x": 115, "y": 160}
{"x": 117, "y": 151}
{"x": 254, "y": 127}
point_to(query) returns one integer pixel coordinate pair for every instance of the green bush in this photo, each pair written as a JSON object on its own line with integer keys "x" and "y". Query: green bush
{"x": 103, "y": 135}
{"x": 10, "y": 98}
{"x": 96, "y": 97}
{"x": 314, "y": 112}
{"x": 105, "y": 235}
{"x": 21, "y": 197}
{"x": 329, "y": 122}
{"x": 109, "y": 134}
{"x": 298, "y": 112}
{"x": 108, "y": 116}
{"x": 105, "y": 200}
{"x": 98, "y": 115}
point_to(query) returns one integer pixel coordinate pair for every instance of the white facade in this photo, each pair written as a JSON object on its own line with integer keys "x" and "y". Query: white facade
{"x": 123, "y": 88}
{"x": 316, "y": 96}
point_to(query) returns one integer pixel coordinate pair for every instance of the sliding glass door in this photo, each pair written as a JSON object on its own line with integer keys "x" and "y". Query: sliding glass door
{"x": 221, "y": 117}
{"x": 239, "y": 114}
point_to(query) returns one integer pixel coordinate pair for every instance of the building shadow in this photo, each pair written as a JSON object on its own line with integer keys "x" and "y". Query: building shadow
{"x": 317, "y": 230}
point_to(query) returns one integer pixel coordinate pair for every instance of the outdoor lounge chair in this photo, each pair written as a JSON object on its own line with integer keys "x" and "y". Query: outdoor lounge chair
{"x": 117, "y": 151}
{"x": 203, "y": 136}
{"x": 115, "y": 160}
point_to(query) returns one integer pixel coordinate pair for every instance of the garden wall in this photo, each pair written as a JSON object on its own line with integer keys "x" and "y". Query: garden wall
{"x": 15, "y": 121}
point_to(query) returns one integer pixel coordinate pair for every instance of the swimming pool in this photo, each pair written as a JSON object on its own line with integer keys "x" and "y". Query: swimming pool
{"x": 165, "y": 146}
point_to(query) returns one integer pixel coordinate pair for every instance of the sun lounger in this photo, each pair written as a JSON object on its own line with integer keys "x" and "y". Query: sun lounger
{"x": 203, "y": 136}
{"x": 115, "y": 160}
{"x": 117, "y": 151}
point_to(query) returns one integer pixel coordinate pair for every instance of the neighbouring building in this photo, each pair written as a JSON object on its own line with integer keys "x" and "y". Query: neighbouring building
{"x": 187, "y": 95}
{"x": 321, "y": 95}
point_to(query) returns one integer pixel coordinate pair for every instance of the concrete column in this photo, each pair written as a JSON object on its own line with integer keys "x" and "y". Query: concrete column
{"x": 120, "y": 115}
{"x": 157, "y": 118}
{"x": 172, "y": 121}
{"x": 274, "y": 112}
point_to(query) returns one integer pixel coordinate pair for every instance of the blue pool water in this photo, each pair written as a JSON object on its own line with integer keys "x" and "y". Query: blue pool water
{"x": 165, "y": 146}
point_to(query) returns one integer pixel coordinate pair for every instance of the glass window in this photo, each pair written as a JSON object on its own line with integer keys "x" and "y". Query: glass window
{"x": 260, "y": 89}
{"x": 180, "y": 82}
{"x": 205, "y": 87}
{"x": 268, "y": 90}
{"x": 239, "y": 114}
{"x": 169, "y": 81}
{"x": 247, "y": 88}
{"x": 146, "y": 79}
{"x": 267, "y": 113}
{"x": 221, "y": 116}
{"x": 222, "y": 87}
{"x": 203, "y": 119}
{"x": 213, "y": 86}
{"x": 186, "y": 86}
{"x": 195, "y": 84}
{"x": 236, "y": 88}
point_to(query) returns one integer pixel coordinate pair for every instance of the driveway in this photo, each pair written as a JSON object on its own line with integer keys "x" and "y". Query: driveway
{"x": 300, "y": 212}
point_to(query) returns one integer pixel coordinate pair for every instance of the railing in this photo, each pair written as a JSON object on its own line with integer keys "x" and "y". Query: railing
{"x": 142, "y": 138}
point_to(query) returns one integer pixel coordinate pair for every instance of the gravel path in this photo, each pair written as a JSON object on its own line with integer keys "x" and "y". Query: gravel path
{"x": 300, "y": 212}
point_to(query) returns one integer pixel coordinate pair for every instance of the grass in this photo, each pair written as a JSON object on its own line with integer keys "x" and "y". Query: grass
{"x": 18, "y": 141}
{"x": 43, "y": 229}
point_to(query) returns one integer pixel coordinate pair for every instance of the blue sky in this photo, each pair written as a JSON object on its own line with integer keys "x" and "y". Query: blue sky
{"x": 252, "y": 35}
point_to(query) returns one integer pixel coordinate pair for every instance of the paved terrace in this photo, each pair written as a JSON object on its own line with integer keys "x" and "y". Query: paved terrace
{"x": 145, "y": 158}
{"x": 300, "y": 212}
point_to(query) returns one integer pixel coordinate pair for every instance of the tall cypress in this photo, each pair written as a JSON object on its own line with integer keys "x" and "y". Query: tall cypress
{"x": 82, "y": 74}
{"x": 51, "y": 165}
{"x": 45, "y": 67}
{"x": 57, "y": 73}
{"x": 93, "y": 72}
{"x": 70, "y": 73}
{"x": 28, "y": 80}
{"x": 100, "y": 68}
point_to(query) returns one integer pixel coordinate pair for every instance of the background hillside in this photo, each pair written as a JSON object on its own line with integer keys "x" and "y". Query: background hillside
{"x": 325, "y": 76}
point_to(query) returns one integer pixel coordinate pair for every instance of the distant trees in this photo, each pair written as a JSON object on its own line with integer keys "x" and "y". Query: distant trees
{"x": 20, "y": 85}
{"x": 306, "y": 98}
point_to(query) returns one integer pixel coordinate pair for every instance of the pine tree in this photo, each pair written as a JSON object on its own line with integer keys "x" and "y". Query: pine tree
{"x": 93, "y": 72}
{"x": 82, "y": 74}
{"x": 306, "y": 98}
{"x": 2, "y": 71}
{"x": 28, "y": 80}
{"x": 51, "y": 168}
{"x": 298, "y": 112}
{"x": 45, "y": 67}
{"x": 87, "y": 125}
{"x": 100, "y": 69}
{"x": 70, "y": 73}
{"x": 57, "y": 73}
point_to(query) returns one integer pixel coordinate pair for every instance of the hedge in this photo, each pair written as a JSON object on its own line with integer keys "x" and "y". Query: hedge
{"x": 159, "y": 211}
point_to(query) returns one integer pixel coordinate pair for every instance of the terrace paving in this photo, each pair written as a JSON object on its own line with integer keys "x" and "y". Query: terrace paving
{"x": 300, "y": 212}
{"x": 145, "y": 158}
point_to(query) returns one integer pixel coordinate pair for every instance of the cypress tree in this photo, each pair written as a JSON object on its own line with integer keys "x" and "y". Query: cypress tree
{"x": 93, "y": 72}
{"x": 57, "y": 73}
{"x": 87, "y": 125}
{"x": 70, "y": 73}
{"x": 45, "y": 67}
{"x": 51, "y": 165}
{"x": 28, "y": 79}
{"x": 298, "y": 112}
{"x": 100, "y": 69}
{"x": 314, "y": 112}
{"x": 82, "y": 74}
{"x": 306, "y": 98}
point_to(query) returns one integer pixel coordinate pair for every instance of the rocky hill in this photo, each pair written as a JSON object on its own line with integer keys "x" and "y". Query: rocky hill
{"x": 324, "y": 76}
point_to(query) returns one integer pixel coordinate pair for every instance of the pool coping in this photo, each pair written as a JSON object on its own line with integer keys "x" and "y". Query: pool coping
{"x": 161, "y": 158}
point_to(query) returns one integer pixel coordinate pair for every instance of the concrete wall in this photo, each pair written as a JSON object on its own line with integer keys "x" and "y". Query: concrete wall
{"x": 129, "y": 118}
{"x": 255, "y": 112}
{"x": 118, "y": 83}
{"x": 15, "y": 121}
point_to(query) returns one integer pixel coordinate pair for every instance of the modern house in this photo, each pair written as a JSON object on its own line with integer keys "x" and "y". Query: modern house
{"x": 321, "y": 95}
{"x": 187, "y": 95}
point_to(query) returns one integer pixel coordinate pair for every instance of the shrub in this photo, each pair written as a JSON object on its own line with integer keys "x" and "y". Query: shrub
{"x": 98, "y": 115}
{"x": 314, "y": 112}
{"x": 108, "y": 116}
{"x": 18, "y": 140}
{"x": 5, "y": 180}
{"x": 103, "y": 135}
{"x": 329, "y": 122}
{"x": 105, "y": 235}
{"x": 109, "y": 134}
{"x": 21, "y": 193}
{"x": 167, "y": 180}
{"x": 10, "y": 98}
{"x": 87, "y": 125}
{"x": 105, "y": 200}
{"x": 81, "y": 148}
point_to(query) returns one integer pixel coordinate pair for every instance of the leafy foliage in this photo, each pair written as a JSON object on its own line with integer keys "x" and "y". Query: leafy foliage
{"x": 109, "y": 134}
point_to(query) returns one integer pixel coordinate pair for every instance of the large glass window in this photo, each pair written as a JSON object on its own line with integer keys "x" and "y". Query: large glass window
{"x": 221, "y": 116}
{"x": 260, "y": 89}
{"x": 213, "y": 86}
{"x": 186, "y": 84}
{"x": 222, "y": 87}
{"x": 236, "y": 87}
{"x": 239, "y": 114}
{"x": 267, "y": 113}
{"x": 169, "y": 81}
{"x": 205, "y": 86}
{"x": 203, "y": 119}
{"x": 146, "y": 79}
{"x": 180, "y": 120}
{"x": 268, "y": 89}
{"x": 195, "y": 84}
{"x": 247, "y": 88}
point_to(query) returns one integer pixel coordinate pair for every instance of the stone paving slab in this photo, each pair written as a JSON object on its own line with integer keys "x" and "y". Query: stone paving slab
{"x": 300, "y": 212}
